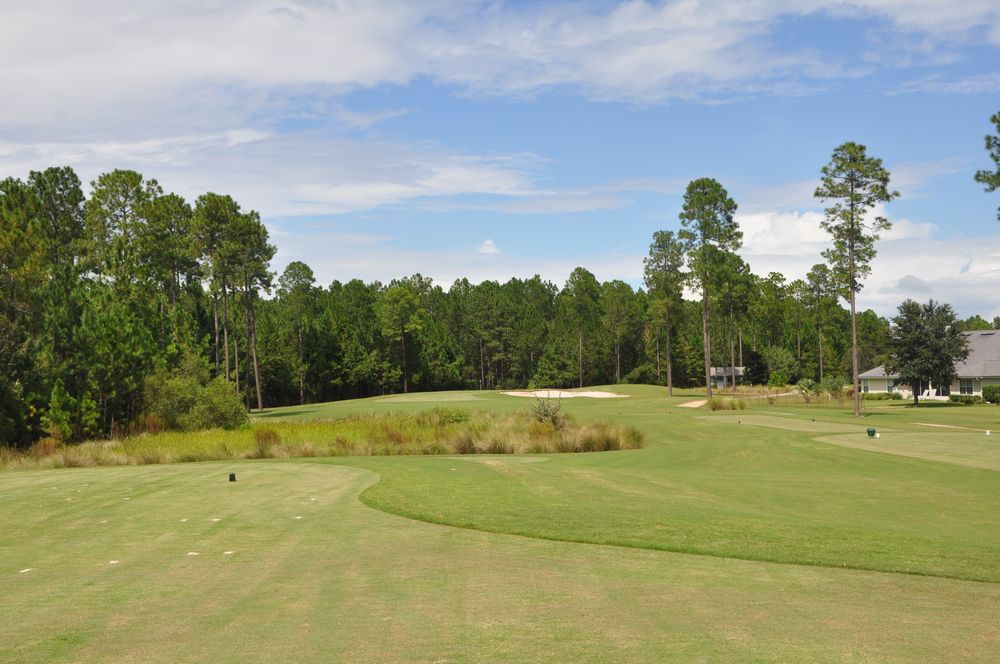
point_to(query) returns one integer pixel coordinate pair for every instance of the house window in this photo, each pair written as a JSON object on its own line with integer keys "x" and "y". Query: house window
{"x": 864, "y": 385}
{"x": 890, "y": 386}
{"x": 965, "y": 385}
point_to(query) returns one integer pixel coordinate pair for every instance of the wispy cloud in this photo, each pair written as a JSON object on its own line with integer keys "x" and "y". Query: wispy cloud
{"x": 939, "y": 84}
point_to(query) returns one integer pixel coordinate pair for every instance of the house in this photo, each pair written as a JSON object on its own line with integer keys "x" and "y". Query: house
{"x": 722, "y": 376}
{"x": 982, "y": 367}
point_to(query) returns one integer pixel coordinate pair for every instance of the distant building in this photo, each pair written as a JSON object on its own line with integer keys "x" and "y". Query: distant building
{"x": 982, "y": 367}
{"x": 722, "y": 376}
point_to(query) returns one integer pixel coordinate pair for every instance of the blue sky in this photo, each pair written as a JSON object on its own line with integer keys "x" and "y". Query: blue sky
{"x": 500, "y": 139}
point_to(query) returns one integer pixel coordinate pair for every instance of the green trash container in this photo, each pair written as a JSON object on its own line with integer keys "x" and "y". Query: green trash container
{"x": 871, "y": 432}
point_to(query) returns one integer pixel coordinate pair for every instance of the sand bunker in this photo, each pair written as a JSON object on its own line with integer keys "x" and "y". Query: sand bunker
{"x": 693, "y": 404}
{"x": 565, "y": 394}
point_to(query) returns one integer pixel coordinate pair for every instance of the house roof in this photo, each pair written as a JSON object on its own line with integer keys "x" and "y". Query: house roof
{"x": 983, "y": 360}
{"x": 877, "y": 372}
{"x": 984, "y": 355}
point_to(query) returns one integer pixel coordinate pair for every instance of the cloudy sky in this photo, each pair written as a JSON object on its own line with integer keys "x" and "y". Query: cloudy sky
{"x": 498, "y": 139}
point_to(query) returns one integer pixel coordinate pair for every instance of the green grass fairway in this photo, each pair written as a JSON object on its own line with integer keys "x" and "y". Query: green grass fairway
{"x": 348, "y": 583}
{"x": 811, "y": 543}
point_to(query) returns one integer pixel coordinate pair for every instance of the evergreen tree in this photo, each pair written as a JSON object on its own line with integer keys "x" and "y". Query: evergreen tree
{"x": 708, "y": 230}
{"x": 856, "y": 183}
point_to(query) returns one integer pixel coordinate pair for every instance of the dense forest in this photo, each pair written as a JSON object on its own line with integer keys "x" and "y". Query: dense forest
{"x": 107, "y": 296}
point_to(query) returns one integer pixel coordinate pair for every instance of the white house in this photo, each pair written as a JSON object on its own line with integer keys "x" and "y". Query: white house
{"x": 982, "y": 367}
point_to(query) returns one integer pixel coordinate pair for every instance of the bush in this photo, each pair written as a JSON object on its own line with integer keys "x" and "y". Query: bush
{"x": 836, "y": 386}
{"x": 548, "y": 411}
{"x": 881, "y": 396}
{"x": 991, "y": 393}
{"x": 718, "y": 403}
{"x": 967, "y": 399}
{"x": 217, "y": 405}
{"x": 644, "y": 374}
{"x": 188, "y": 400}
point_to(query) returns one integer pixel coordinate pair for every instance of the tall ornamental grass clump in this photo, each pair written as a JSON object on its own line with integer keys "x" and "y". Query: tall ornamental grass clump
{"x": 437, "y": 431}
{"x": 721, "y": 403}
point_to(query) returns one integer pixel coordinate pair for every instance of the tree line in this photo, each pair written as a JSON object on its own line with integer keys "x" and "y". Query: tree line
{"x": 102, "y": 293}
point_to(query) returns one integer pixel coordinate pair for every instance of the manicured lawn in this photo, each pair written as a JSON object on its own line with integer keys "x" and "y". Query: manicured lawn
{"x": 753, "y": 484}
{"x": 315, "y": 574}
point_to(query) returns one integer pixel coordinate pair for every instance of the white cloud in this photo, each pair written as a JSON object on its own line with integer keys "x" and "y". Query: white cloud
{"x": 488, "y": 247}
{"x": 193, "y": 67}
{"x": 960, "y": 271}
{"x": 290, "y": 174}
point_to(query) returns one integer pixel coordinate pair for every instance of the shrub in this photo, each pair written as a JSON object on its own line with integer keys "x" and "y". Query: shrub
{"x": 548, "y": 411}
{"x": 881, "y": 396}
{"x": 719, "y": 403}
{"x": 644, "y": 374}
{"x": 991, "y": 393}
{"x": 218, "y": 405}
{"x": 967, "y": 399}
{"x": 781, "y": 365}
{"x": 188, "y": 400}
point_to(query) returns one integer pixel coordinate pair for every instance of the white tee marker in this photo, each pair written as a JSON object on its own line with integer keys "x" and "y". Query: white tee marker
{"x": 192, "y": 553}
{"x": 26, "y": 570}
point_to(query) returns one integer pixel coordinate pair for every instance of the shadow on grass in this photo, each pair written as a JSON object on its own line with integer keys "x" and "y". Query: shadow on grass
{"x": 278, "y": 414}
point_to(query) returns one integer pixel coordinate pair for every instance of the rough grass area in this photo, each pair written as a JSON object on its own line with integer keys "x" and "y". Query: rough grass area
{"x": 437, "y": 431}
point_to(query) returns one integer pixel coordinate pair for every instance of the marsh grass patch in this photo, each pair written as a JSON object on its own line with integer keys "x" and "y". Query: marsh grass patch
{"x": 431, "y": 432}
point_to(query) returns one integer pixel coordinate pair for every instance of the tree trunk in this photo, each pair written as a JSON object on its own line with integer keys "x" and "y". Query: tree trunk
{"x": 215, "y": 316}
{"x": 706, "y": 340}
{"x": 482, "y": 366}
{"x": 657, "y": 358}
{"x": 670, "y": 364}
{"x": 246, "y": 333}
{"x": 732, "y": 359}
{"x": 854, "y": 337}
{"x": 236, "y": 359}
{"x": 820, "y": 334}
{"x": 302, "y": 370}
{"x": 256, "y": 365}
{"x": 406, "y": 382}
{"x": 740, "y": 329}
{"x": 225, "y": 326}
{"x": 581, "y": 358}
{"x": 618, "y": 363}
